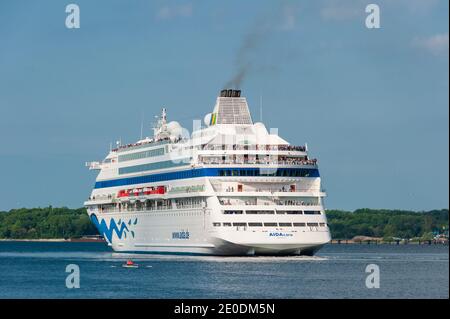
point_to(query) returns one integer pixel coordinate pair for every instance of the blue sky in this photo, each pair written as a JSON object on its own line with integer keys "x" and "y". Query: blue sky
{"x": 371, "y": 104}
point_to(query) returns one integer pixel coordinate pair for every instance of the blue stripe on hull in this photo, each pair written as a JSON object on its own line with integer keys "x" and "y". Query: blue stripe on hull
{"x": 203, "y": 172}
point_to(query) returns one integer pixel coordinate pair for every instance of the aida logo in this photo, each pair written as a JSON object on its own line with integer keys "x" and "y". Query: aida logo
{"x": 280, "y": 235}
{"x": 120, "y": 228}
{"x": 180, "y": 235}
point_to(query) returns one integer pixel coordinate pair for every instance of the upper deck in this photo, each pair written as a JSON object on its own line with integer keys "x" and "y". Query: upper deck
{"x": 229, "y": 138}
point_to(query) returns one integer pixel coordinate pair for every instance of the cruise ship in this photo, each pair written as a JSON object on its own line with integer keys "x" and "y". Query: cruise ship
{"x": 229, "y": 188}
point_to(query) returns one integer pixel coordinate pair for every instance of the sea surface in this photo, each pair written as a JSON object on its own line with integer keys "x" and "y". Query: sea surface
{"x": 38, "y": 270}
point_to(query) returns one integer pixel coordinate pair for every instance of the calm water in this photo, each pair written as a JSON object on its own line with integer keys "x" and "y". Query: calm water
{"x": 37, "y": 270}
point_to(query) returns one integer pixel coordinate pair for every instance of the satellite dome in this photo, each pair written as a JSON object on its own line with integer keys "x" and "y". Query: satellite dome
{"x": 174, "y": 128}
{"x": 260, "y": 129}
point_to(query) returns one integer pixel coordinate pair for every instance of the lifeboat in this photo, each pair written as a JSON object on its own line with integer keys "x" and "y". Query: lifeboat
{"x": 158, "y": 190}
{"x": 130, "y": 264}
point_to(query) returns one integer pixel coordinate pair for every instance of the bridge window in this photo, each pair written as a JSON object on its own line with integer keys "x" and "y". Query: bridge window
{"x": 139, "y": 155}
{"x": 155, "y": 166}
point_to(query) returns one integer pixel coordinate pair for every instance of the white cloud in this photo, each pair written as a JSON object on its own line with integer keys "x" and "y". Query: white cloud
{"x": 339, "y": 13}
{"x": 436, "y": 44}
{"x": 288, "y": 18}
{"x": 414, "y": 6}
{"x": 170, "y": 12}
{"x": 342, "y": 10}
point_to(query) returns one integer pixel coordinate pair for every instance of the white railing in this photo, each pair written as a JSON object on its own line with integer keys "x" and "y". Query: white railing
{"x": 254, "y": 148}
{"x": 312, "y": 162}
{"x": 264, "y": 190}
{"x": 227, "y": 202}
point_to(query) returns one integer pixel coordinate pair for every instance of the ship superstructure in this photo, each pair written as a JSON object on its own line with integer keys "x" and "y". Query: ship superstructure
{"x": 231, "y": 188}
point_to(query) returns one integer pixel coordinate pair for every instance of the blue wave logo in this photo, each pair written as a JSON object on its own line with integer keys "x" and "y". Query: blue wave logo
{"x": 121, "y": 228}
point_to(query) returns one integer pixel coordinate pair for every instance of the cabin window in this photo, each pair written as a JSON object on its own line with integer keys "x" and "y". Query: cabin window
{"x": 313, "y": 224}
{"x": 231, "y": 212}
{"x": 299, "y": 224}
{"x": 312, "y": 212}
{"x": 239, "y": 224}
{"x": 270, "y": 224}
{"x": 294, "y": 212}
{"x": 260, "y": 212}
{"x": 255, "y": 224}
{"x": 285, "y": 224}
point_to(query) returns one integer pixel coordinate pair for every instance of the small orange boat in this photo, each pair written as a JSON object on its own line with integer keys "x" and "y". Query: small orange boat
{"x": 130, "y": 264}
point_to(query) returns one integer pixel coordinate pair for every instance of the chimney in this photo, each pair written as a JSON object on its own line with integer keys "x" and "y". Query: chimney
{"x": 230, "y": 93}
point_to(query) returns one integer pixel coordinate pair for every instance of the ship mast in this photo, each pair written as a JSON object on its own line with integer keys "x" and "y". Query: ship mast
{"x": 160, "y": 131}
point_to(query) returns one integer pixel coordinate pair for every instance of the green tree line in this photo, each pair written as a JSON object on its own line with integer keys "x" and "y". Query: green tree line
{"x": 386, "y": 223}
{"x": 50, "y": 222}
{"x": 45, "y": 223}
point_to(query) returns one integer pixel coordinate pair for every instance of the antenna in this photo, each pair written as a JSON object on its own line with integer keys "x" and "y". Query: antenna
{"x": 260, "y": 108}
{"x": 142, "y": 122}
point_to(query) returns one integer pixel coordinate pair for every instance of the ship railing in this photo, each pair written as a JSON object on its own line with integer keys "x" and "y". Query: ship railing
{"x": 138, "y": 209}
{"x": 257, "y": 162}
{"x": 188, "y": 206}
{"x": 101, "y": 197}
{"x": 257, "y": 147}
{"x": 255, "y": 203}
{"x": 142, "y": 209}
{"x": 265, "y": 190}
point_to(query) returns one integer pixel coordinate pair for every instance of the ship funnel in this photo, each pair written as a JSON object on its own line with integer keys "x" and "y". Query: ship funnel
{"x": 230, "y": 108}
{"x": 230, "y": 93}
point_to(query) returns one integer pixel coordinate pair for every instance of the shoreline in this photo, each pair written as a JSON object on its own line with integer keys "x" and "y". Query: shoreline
{"x": 381, "y": 242}
{"x": 332, "y": 242}
{"x": 55, "y": 240}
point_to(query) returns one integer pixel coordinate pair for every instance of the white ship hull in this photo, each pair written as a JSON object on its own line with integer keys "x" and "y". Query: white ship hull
{"x": 154, "y": 233}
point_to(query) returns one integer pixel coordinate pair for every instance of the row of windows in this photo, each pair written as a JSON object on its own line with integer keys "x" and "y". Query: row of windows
{"x": 144, "y": 145}
{"x": 153, "y": 166}
{"x": 139, "y": 155}
{"x": 240, "y": 224}
{"x": 153, "y": 178}
{"x": 281, "y": 172}
{"x": 271, "y": 212}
